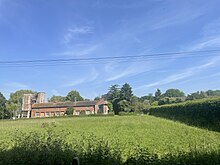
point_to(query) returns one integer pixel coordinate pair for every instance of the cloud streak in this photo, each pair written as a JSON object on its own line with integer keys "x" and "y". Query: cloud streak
{"x": 79, "y": 50}
{"x": 183, "y": 75}
{"x": 74, "y": 32}
{"x": 92, "y": 76}
{"x": 132, "y": 70}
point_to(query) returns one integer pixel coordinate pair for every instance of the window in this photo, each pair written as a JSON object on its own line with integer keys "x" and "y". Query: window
{"x": 47, "y": 114}
{"x": 37, "y": 114}
{"x": 57, "y": 113}
{"x": 100, "y": 109}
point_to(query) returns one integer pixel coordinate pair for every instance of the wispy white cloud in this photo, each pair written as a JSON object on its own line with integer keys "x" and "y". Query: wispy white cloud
{"x": 182, "y": 14}
{"x": 132, "y": 70}
{"x": 184, "y": 74}
{"x": 79, "y": 50}
{"x": 209, "y": 42}
{"x": 210, "y": 37}
{"x": 75, "y": 31}
{"x": 92, "y": 76}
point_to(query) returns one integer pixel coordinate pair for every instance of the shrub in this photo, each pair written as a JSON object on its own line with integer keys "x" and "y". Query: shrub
{"x": 69, "y": 111}
{"x": 203, "y": 112}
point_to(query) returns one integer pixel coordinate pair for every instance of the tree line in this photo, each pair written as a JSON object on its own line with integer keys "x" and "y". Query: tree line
{"x": 123, "y": 100}
{"x": 120, "y": 99}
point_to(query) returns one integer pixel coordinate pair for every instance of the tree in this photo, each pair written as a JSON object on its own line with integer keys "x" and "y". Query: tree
{"x": 149, "y": 97}
{"x": 174, "y": 93}
{"x": 74, "y": 95}
{"x": 116, "y": 106}
{"x": 126, "y": 92}
{"x": 57, "y": 99}
{"x": 196, "y": 95}
{"x": 113, "y": 93}
{"x": 157, "y": 94}
{"x": 124, "y": 105}
{"x": 69, "y": 111}
{"x": 213, "y": 92}
{"x": 15, "y": 101}
{"x": 2, "y": 105}
{"x": 97, "y": 98}
{"x": 110, "y": 106}
{"x": 141, "y": 106}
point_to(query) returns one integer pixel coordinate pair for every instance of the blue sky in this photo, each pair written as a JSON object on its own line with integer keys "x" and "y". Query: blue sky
{"x": 53, "y": 29}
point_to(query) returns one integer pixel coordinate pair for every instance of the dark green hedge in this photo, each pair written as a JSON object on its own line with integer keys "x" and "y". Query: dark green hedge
{"x": 202, "y": 112}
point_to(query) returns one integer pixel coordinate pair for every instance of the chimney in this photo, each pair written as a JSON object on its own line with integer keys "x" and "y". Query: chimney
{"x": 40, "y": 97}
{"x": 75, "y": 101}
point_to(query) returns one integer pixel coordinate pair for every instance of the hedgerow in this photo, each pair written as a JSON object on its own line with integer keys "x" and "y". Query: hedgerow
{"x": 202, "y": 113}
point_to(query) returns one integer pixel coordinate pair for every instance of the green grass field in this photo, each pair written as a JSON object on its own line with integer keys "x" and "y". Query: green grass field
{"x": 156, "y": 134}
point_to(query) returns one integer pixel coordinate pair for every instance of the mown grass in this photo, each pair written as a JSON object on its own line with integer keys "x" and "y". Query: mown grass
{"x": 149, "y": 134}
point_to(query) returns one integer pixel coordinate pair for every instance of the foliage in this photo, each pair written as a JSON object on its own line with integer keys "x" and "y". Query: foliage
{"x": 141, "y": 106}
{"x": 213, "y": 92}
{"x": 50, "y": 144}
{"x": 157, "y": 94}
{"x": 203, "y": 94}
{"x": 97, "y": 98}
{"x": 69, "y": 111}
{"x": 124, "y": 105}
{"x": 55, "y": 99}
{"x": 116, "y": 106}
{"x": 38, "y": 148}
{"x": 2, "y": 105}
{"x": 14, "y": 103}
{"x": 113, "y": 93}
{"x": 74, "y": 95}
{"x": 126, "y": 92}
{"x": 170, "y": 100}
{"x": 173, "y": 93}
{"x": 196, "y": 95}
{"x": 203, "y": 112}
{"x": 155, "y": 103}
{"x": 149, "y": 97}
{"x": 110, "y": 106}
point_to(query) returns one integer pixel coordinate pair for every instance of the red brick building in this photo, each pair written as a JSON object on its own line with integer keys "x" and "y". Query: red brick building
{"x": 33, "y": 107}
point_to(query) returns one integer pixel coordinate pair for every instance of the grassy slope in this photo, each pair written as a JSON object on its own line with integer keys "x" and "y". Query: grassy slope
{"x": 156, "y": 134}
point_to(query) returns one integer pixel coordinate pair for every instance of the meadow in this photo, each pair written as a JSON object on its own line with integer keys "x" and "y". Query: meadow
{"x": 158, "y": 136}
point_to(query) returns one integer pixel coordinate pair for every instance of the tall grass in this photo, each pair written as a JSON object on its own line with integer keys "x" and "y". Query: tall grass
{"x": 52, "y": 147}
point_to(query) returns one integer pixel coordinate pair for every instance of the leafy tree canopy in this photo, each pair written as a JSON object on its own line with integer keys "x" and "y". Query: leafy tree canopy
{"x": 57, "y": 99}
{"x": 2, "y": 105}
{"x": 157, "y": 94}
{"x": 213, "y": 92}
{"x": 2, "y": 100}
{"x": 113, "y": 93}
{"x": 17, "y": 97}
{"x": 15, "y": 101}
{"x": 72, "y": 95}
{"x": 174, "y": 93}
{"x": 126, "y": 92}
{"x": 69, "y": 111}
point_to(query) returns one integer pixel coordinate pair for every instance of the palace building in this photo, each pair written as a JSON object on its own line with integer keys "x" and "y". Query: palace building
{"x": 34, "y": 106}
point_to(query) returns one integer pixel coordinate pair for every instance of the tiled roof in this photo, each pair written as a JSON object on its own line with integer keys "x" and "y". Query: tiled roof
{"x": 65, "y": 104}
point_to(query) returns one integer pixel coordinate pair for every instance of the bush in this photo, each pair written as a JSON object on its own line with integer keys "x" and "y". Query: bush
{"x": 69, "y": 111}
{"x": 203, "y": 112}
